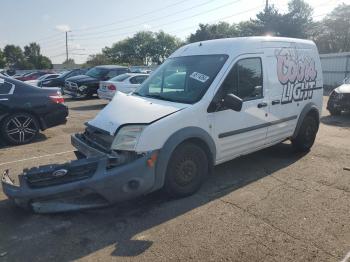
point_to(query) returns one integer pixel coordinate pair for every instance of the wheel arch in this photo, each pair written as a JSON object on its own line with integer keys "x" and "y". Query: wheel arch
{"x": 194, "y": 135}
{"x": 309, "y": 109}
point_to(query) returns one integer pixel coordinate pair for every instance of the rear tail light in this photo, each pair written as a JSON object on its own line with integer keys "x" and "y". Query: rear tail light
{"x": 57, "y": 98}
{"x": 112, "y": 87}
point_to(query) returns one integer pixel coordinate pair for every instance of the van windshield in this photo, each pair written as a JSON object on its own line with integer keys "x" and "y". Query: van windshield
{"x": 182, "y": 79}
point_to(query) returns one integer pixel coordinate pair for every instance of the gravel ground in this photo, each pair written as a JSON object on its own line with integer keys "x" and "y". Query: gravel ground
{"x": 273, "y": 205}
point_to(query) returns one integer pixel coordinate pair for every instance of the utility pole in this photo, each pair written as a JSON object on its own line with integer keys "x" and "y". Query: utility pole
{"x": 66, "y": 46}
{"x": 267, "y": 5}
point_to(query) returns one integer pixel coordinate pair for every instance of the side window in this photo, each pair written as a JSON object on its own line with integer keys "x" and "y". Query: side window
{"x": 5, "y": 88}
{"x": 245, "y": 80}
{"x": 142, "y": 79}
{"x": 137, "y": 79}
{"x": 133, "y": 80}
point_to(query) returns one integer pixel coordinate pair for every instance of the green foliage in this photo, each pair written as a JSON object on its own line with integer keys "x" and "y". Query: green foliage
{"x": 30, "y": 58}
{"x": 14, "y": 56}
{"x": 98, "y": 59}
{"x": 68, "y": 64}
{"x": 2, "y": 59}
{"x": 143, "y": 48}
{"x": 214, "y": 31}
{"x": 333, "y": 33}
{"x": 295, "y": 23}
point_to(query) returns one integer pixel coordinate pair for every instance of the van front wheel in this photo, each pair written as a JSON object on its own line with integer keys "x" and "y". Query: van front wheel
{"x": 187, "y": 169}
{"x": 306, "y": 135}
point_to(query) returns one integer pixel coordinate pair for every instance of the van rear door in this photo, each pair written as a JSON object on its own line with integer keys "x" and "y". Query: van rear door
{"x": 292, "y": 77}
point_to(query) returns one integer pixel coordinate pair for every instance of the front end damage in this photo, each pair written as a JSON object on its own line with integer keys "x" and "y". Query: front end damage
{"x": 99, "y": 178}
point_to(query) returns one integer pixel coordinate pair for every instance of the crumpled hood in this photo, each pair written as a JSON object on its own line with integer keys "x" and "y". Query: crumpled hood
{"x": 344, "y": 89}
{"x": 132, "y": 109}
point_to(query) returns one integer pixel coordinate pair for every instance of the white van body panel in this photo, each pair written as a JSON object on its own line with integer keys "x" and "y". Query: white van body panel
{"x": 234, "y": 133}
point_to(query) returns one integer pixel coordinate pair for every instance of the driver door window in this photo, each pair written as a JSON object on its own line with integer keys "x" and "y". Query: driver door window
{"x": 245, "y": 80}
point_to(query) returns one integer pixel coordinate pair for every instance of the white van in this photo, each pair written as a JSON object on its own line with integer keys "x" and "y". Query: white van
{"x": 209, "y": 102}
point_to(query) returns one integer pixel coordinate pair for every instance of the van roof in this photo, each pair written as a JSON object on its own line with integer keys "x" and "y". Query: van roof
{"x": 241, "y": 45}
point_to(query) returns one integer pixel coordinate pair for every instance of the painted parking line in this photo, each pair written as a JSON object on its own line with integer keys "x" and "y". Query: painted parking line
{"x": 36, "y": 157}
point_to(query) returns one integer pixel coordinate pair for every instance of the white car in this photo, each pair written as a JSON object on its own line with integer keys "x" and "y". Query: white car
{"x": 42, "y": 78}
{"x": 208, "y": 103}
{"x": 124, "y": 83}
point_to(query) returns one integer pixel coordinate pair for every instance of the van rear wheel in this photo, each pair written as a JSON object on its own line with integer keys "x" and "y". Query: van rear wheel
{"x": 307, "y": 134}
{"x": 186, "y": 171}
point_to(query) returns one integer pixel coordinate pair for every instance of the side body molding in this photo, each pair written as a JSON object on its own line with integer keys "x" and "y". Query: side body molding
{"x": 310, "y": 107}
{"x": 176, "y": 139}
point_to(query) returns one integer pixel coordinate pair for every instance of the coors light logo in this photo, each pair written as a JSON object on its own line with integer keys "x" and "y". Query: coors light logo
{"x": 297, "y": 74}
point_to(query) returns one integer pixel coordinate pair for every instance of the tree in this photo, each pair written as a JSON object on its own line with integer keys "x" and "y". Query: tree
{"x": 333, "y": 33}
{"x": 14, "y": 56}
{"x": 164, "y": 45}
{"x": 34, "y": 59}
{"x": 214, "y": 31}
{"x": 2, "y": 59}
{"x": 97, "y": 59}
{"x": 143, "y": 48}
{"x": 70, "y": 63}
{"x": 32, "y": 54}
{"x": 298, "y": 21}
{"x": 44, "y": 63}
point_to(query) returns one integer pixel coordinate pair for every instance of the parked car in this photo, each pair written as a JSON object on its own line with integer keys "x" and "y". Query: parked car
{"x": 339, "y": 99}
{"x": 31, "y": 76}
{"x": 3, "y": 72}
{"x": 42, "y": 78}
{"x": 164, "y": 136}
{"x": 125, "y": 83}
{"x": 59, "y": 81}
{"x": 25, "y": 110}
{"x": 86, "y": 85}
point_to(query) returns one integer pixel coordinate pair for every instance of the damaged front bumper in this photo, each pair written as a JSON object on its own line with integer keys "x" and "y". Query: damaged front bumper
{"x": 81, "y": 184}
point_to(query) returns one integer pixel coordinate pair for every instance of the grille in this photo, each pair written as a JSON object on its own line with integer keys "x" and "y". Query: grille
{"x": 70, "y": 85}
{"x": 45, "y": 176}
{"x": 97, "y": 138}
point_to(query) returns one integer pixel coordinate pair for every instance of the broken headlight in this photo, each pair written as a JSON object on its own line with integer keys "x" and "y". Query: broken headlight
{"x": 127, "y": 137}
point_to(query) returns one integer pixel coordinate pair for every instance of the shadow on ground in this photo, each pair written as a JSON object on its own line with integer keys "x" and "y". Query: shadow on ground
{"x": 41, "y": 137}
{"x": 71, "y": 236}
{"x": 341, "y": 121}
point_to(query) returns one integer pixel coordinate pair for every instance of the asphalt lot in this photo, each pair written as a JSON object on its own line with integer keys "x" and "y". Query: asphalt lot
{"x": 273, "y": 205}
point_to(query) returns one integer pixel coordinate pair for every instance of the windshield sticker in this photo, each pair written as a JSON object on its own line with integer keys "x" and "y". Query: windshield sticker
{"x": 199, "y": 77}
{"x": 297, "y": 73}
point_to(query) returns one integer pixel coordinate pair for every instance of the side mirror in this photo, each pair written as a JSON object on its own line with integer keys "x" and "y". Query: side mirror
{"x": 233, "y": 102}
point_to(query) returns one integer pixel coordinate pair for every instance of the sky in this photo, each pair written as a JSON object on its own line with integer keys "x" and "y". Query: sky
{"x": 92, "y": 25}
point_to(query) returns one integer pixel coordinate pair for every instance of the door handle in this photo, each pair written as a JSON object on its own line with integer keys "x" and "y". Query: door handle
{"x": 263, "y": 104}
{"x": 276, "y": 102}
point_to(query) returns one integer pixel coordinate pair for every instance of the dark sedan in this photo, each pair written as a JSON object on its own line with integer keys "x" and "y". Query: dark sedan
{"x": 86, "y": 85}
{"x": 25, "y": 110}
{"x": 59, "y": 81}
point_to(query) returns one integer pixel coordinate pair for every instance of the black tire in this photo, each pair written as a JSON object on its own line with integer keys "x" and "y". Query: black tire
{"x": 19, "y": 128}
{"x": 186, "y": 171}
{"x": 306, "y": 135}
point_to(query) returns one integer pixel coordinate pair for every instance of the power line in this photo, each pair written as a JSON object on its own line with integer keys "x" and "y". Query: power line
{"x": 172, "y": 22}
{"x": 152, "y": 20}
{"x": 132, "y": 18}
